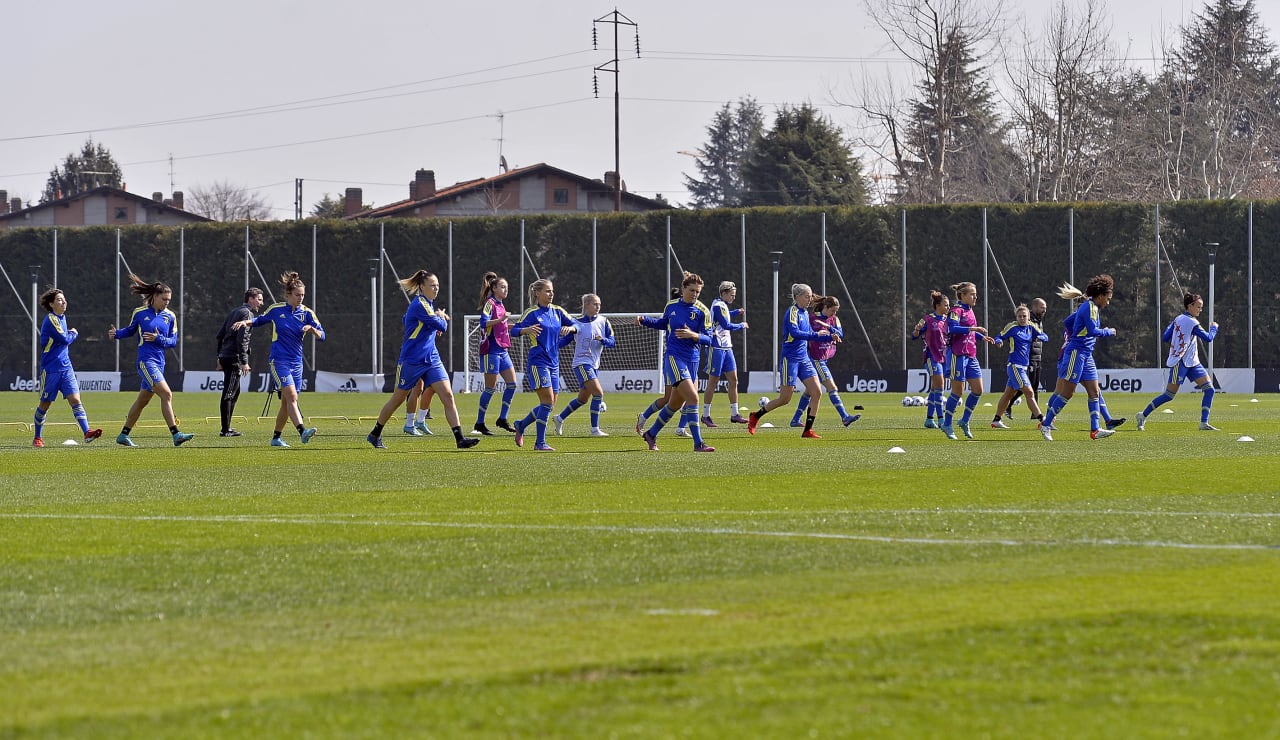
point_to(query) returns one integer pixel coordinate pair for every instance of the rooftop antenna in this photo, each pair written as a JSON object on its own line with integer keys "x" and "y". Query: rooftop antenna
{"x": 502, "y": 121}
{"x": 171, "y": 187}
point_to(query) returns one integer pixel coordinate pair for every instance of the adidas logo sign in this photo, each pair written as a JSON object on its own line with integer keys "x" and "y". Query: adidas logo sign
{"x": 349, "y": 387}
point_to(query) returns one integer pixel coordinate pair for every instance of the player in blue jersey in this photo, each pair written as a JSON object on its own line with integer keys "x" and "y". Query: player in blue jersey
{"x": 1021, "y": 333}
{"x": 420, "y": 360}
{"x": 720, "y": 360}
{"x": 291, "y": 322}
{"x": 795, "y": 365}
{"x": 594, "y": 334}
{"x": 822, "y": 315}
{"x": 545, "y": 323}
{"x": 56, "y": 374}
{"x": 495, "y": 358}
{"x": 1076, "y": 366}
{"x": 157, "y": 330}
{"x": 687, "y": 323}
{"x": 1184, "y": 361}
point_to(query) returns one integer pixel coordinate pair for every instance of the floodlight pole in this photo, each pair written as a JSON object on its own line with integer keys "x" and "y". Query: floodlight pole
{"x": 777, "y": 257}
{"x": 1213, "y": 248}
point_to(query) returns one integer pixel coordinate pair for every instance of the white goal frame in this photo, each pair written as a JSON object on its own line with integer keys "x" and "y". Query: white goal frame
{"x": 641, "y": 358}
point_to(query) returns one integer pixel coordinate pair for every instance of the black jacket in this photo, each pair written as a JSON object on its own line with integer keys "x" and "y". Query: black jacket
{"x": 234, "y": 345}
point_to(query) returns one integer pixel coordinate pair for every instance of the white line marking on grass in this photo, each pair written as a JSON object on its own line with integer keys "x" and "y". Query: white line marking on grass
{"x": 708, "y": 531}
{"x": 682, "y": 612}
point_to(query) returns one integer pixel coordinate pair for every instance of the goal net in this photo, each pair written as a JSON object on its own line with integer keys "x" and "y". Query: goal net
{"x": 633, "y": 365}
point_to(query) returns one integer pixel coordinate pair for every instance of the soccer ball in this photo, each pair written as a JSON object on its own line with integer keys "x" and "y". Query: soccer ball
{"x": 908, "y": 401}
{"x": 919, "y": 401}
{"x": 764, "y": 401}
{"x": 603, "y": 408}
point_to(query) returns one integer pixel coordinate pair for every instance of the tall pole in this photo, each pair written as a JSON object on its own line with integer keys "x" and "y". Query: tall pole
{"x": 822, "y": 255}
{"x": 315, "y": 298}
{"x": 118, "y": 258}
{"x": 55, "y": 255}
{"x": 373, "y": 325}
{"x": 182, "y": 295}
{"x": 617, "y": 19}
{"x": 742, "y": 290}
{"x": 35, "y": 324}
{"x": 594, "y": 245}
{"x": 986, "y": 294}
{"x": 1071, "y": 245}
{"x": 903, "y": 229}
{"x": 297, "y": 198}
{"x": 1157, "y": 325}
{"x": 451, "y": 322}
{"x": 1213, "y": 248}
{"x": 1249, "y": 282}
{"x": 777, "y": 257}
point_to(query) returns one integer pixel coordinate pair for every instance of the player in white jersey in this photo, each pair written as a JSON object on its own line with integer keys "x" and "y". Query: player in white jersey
{"x": 720, "y": 361}
{"x": 593, "y": 335}
{"x": 1184, "y": 361}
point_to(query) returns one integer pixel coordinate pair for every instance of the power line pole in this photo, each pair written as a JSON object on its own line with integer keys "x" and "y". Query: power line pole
{"x": 617, "y": 19}
{"x": 297, "y": 198}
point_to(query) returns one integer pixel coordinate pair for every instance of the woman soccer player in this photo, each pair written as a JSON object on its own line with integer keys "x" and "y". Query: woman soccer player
{"x": 688, "y": 325}
{"x": 157, "y": 329}
{"x": 1021, "y": 333}
{"x": 420, "y": 360}
{"x": 823, "y": 316}
{"x": 546, "y": 323}
{"x": 962, "y": 358}
{"x": 1184, "y": 361}
{"x": 1076, "y": 366}
{"x": 795, "y": 365}
{"x": 495, "y": 360}
{"x": 291, "y": 322}
{"x": 932, "y": 330}
{"x": 56, "y": 374}
{"x": 721, "y": 362}
{"x": 593, "y": 335}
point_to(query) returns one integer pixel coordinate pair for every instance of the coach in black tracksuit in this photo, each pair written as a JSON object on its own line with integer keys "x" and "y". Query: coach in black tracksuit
{"x": 233, "y": 356}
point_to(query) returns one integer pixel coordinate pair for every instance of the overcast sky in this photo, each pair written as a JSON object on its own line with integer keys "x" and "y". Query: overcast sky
{"x": 364, "y": 93}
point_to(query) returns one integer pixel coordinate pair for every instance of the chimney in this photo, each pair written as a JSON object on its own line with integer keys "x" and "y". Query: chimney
{"x": 157, "y": 196}
{"x": 413, "y": 191}
{"x": 4, "y": 202}
{"x": 177, "y": 199}
{"x": 611, "y": 180}
{"x": 354, "y": 202}
{"x": 426, "y": 182}
{"x": 15, "y": 205}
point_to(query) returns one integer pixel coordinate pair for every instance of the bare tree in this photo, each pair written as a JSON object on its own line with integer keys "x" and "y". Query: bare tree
{"x": 1060, "y": 90}
{"x": 930, "y": 34}
{"x": 223, "y": 201}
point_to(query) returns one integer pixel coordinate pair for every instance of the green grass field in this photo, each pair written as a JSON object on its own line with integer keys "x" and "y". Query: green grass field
{"x": 1002, "y": 587}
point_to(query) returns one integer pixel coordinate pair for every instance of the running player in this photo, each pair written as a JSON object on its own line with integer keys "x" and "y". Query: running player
{"x": 594, "y": 334}
{"x": 1021, "y": 333}
{"x": 546, "y": 323}
{"x": 291, "y": 322}
{"x": 1184, "y": 361}
{"x": 1076, "y": 366}
{"x": 795, "y": 365}
{"x": 420, "y": 360}
{"x": 688, "y": 325}
{"x": 56, "y": 373}
{"x": 823, "y": 316}
{"x": 157, "y": 329}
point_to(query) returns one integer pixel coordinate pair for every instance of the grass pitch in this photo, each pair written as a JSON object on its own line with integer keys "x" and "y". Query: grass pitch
{"x": 1004, "y": 587}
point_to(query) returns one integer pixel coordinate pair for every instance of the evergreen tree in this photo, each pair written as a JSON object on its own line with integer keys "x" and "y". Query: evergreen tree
{"x": 729, "y": 139}
{"x": 803, "y": 160}
{"x": 957, "y": 135}
{"x": 92, "y": 167}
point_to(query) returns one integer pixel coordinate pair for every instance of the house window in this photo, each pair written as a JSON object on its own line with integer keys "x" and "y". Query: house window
{"x": 122, "y": 214}
{"x": 560, "y": 196}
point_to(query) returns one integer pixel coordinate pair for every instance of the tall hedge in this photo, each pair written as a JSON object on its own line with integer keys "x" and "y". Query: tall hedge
{"x": 1029, "y": 252}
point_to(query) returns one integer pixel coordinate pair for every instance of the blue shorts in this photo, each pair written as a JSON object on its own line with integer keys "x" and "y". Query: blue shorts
{"x": 584, "y": 373}
{"x": 493, "y": 363}
{"x": 824, "y": 372}
{"x": 1016, "y": 376}
{"x": 721, "y": 362}
{"x": 151, "y": 373}
{"x": 1180, "y": 372}
{"x": 962, "y": 367}
{"x": 795, "y": 372}
{"x": 408, "y": 374}
{"x": 544, "y": 376}
{"x": 933, "y": 367}
{"x": 287, "y": 373}
{"x": 53, "y": 382}
{"x": 1077, "y": 367}
{"x": 675, "y": 371}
